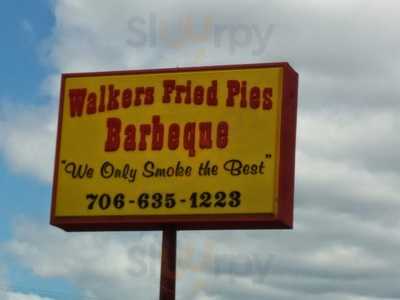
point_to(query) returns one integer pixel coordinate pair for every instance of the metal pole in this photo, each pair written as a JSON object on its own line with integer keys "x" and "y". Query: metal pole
{"x": 168, "y": 264}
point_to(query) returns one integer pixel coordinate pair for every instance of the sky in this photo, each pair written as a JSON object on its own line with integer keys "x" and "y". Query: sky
{"x": 345, "y": 240}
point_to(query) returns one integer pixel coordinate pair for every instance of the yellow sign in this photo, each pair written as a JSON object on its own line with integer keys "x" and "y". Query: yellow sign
{"x": 201, "y": 142}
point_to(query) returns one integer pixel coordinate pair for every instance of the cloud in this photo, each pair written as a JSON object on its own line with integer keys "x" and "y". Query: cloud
{"x": 6, "y": 292}
{"x": 347, "y": 173}
{"x": 27, "y": 138}
{"x": 353, "y": 258}
{"x": 93, "y": 262}
{"x": 333, "y": 47}
{"x": 364, "y": 142}
{"x": 19, "y": 296}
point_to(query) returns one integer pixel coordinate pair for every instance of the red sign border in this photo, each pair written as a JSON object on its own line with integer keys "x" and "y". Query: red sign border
{"x": 282, "y": 220}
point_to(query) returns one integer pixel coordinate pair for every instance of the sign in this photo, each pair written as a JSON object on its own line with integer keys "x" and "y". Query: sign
{"x": 197, "y": 148}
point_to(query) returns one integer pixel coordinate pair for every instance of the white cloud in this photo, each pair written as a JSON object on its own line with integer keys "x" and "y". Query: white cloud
{"x": 20, "y": 296}
{"x": 6, "y": 292}
{"x": 27, "y": 139}
{"x": 346, "y": 221}
{"x": 93, "y": 262}
{"x": 333, "y": 46}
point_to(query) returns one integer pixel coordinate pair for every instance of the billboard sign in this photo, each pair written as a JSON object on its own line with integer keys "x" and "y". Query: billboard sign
{"x": 198, "y": 148}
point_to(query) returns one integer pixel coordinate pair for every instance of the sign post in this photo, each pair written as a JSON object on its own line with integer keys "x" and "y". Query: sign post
{"x": 176, "y": 149}
{"x": 168, "y": 264}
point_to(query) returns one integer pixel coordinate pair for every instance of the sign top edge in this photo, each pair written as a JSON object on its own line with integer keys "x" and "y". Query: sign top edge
{"x": 179, "y": 69}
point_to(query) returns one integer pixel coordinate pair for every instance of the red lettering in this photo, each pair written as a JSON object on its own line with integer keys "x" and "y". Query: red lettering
{"x": 267, "y": 95}
{"x": 180, "y": 89}
{"x": 127, "y": 98}
{"x": 189, "y": 138}
{"x": 113, "y": 97}
{"x": 205, "y": 135}
{"x": 198, "y": 95}
{"x": 102, "y": 104}
{"x": 91, "y": 107}
{"x": 222, "y": 135}
{"x": 254, "y": 97}
{"x": 188, "y": 98}
{"x": 169, "y": 86}
{"x": 76, "y": 101}
{"x": 212, "y": 93}
{"x": 113, "y": 130}
{"x": 173, "y": 136}
{"x": 233, "y": 90}
{"x": 130, "y": 138}
{"x": 158, "y": 134}
{"x": 243, "y": 98}
{"x": 145, "y": 129}
{"x": 139, "y": 91}
{"x": 137, "y": 137}
{"x": 149, "y": 95}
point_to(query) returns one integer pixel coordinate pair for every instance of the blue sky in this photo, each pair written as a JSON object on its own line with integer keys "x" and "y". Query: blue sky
{"x": 20, "y": 83}
{"x": 25, "y": 25}
{"x": 346, "y": 237}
